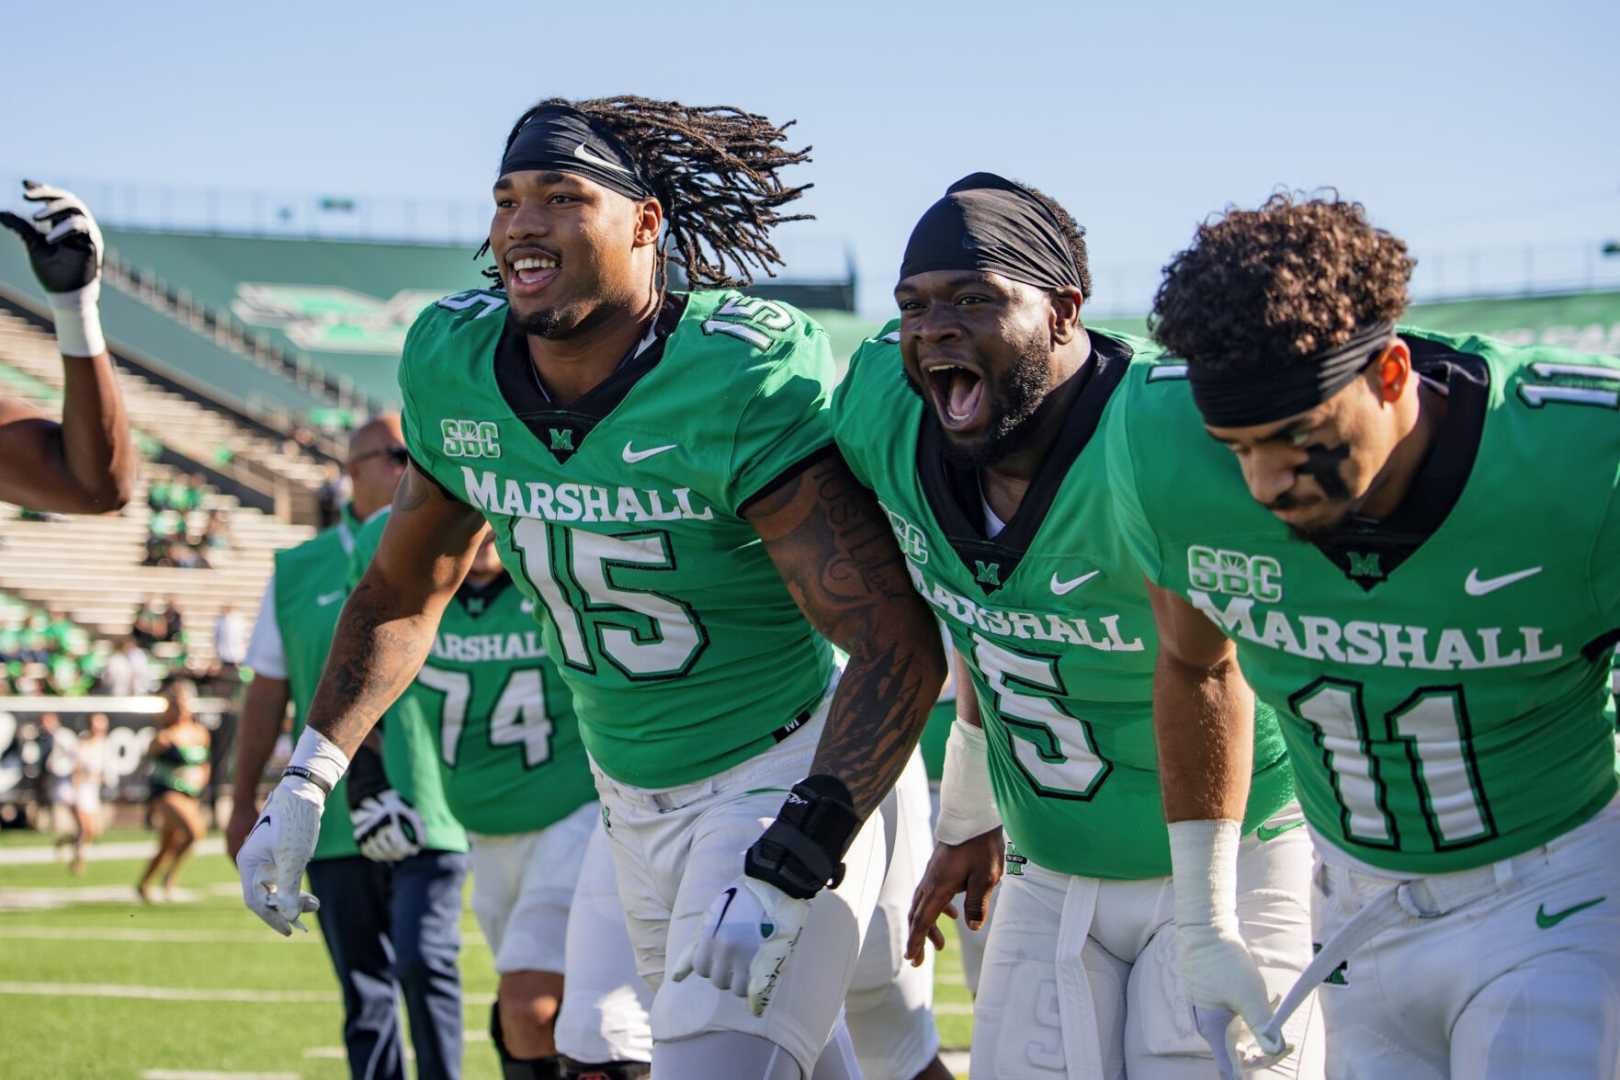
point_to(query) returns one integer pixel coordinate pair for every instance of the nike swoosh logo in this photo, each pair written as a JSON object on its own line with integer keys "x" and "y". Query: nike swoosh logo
{"x": 1063, "y": 588}
{"x": 731, "y": 894}
{"x": 328, "y": 598}
{"x": 1547, "y": 922}
{"x": 633, "y": 456}
{"x": 585, "y": 155}
{"x": 1475, "y": 586}
{"x": 1267, "y": 833}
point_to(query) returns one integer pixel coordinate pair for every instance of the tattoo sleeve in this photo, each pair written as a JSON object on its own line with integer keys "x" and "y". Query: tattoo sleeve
{"x": 833, "y": 548}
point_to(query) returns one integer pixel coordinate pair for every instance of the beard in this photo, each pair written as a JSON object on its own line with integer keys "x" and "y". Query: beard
{"x": 1015, "y": 399}
{"x": 544, "y": 323}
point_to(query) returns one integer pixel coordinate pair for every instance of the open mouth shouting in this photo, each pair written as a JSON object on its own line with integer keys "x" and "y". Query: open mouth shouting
{"x": 958, "y": 393}
{"x": 530, "y": 269}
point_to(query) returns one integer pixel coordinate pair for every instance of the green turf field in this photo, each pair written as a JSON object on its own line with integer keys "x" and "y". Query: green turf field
{"x": 107, "y": 987}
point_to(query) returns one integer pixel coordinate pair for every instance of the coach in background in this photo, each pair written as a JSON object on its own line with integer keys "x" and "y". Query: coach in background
{"x": 85, "y": 464}
{"x": 388, "y": 925}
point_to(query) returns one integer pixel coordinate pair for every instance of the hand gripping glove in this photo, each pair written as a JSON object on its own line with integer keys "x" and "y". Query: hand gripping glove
{"x": 65, "y": 249}
{"x": 1222, "y": 978}
{"x": 750, "y": 931}
{"x": 272, "y": 860}
{"x": 387, "y": 828}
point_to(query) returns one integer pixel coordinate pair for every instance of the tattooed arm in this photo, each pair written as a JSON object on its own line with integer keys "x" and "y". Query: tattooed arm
{"x": 834, "y": 549}
{"x": 388, "y": 623}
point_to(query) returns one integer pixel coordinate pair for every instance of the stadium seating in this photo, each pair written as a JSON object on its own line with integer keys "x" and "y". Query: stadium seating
{"x": 32, "y": 367}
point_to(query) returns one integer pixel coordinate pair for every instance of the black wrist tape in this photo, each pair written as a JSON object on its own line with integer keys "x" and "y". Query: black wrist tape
{"x": 803, "y": 850}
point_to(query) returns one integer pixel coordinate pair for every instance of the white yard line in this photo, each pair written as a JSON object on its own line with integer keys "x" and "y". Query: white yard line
{"x": 186, "y": 937}
{"x": 209, "y": 1074}
{"x": 41, "y": 854}
{"x": 42, "y": 898}
{"x": 189, "y": 993}
{"x": 952, "y": 1008}
{"x": 169, "y": 993}
{"x": 955, "y": 1060}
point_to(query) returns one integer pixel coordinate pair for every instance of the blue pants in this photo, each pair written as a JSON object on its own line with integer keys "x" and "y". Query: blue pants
{"x": 392, "y": 927}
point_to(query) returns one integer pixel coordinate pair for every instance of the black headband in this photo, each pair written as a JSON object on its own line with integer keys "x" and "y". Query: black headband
{"x": 985, "y": 222}
{"x": 1244, "y": 398}
{"x": 561, "y": 139}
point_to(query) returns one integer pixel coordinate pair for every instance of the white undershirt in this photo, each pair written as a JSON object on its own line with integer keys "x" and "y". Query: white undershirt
{"x": 992, "y": 524}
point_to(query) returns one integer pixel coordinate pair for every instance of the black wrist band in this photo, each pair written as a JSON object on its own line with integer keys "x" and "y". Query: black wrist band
{"x": 803, "y": 849}
{"x": 299, "y": 770}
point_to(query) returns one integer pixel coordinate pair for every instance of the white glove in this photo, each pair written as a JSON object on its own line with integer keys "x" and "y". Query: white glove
{"x": 747, "y": 936}
{"x": 272, "y": 860}
{"x": 386, "y": 827}
{"x": 65, "y": 249}
{"x": 1221, "y": 976}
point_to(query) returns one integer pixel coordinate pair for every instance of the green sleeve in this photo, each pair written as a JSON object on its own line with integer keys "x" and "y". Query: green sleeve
{"x": 426, "y": 449}
{"x": 1129, "y": 513}
{"x": 852, "y": 428}
{"x": 786, "y": 420}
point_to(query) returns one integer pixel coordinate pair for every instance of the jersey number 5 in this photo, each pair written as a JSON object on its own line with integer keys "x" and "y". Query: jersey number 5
{"x": 1054, "y": 750}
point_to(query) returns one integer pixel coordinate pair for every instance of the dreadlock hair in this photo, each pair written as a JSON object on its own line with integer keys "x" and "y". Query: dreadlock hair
{"x": 714, "y": 170}
{"x": 1073, "y": 232}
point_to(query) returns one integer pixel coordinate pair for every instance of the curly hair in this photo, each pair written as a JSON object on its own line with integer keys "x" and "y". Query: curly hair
{"x": 1073, "y": 232}
{"x": 1271, "y": 286}
{"x": 714, "y": 170}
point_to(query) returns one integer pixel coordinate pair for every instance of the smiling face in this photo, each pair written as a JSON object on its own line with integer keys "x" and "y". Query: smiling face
{"x": 978, "y": 348}
{"x": 568, "y": 248}
{"x": 1314, "y": 469}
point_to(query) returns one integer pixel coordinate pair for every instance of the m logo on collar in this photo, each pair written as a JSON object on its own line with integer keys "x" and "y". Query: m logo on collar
{"x": 561, "y": 438}
{"x": 1365, "y": 566}
{"x": 1234, "y": 573}
{"x": 987, "y": 573}
{"x": 470, "y": 438}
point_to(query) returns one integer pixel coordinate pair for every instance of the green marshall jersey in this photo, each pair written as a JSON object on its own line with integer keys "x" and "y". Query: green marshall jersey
{"x": 311, "y": 583}
{"x": 621, "y": 515}
{"x": 489, "y": 714}
{"x": 1051, "y": 616}
{"x": 1442, "y": 674}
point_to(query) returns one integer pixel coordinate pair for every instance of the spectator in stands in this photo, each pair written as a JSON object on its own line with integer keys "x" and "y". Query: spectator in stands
{"x": 86, "y": 463}
{"x": 180, "y": 772}
{"x": 147, "y": 627}
{"x": 333, "y": 494}
{"x": 174, "y": 623}
{"x": 128, "y": 671}
{"x": 230, "y": 637}
{"x": 217, "y": 534}
{"x": 182, "y": 555}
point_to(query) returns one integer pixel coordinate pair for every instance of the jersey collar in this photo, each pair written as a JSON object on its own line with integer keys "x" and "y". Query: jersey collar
{"x": 953, "y": 493}
{"x": 562, "y": 429}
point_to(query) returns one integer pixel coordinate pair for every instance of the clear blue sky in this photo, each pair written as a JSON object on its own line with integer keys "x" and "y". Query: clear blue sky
{"x": 1460, "y": 124}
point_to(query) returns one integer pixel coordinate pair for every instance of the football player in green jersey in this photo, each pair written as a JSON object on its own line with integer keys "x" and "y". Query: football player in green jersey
{"x": 659, "y": 472}
{"x": 978, "y": 419}
{"x": 1409, "y": 541}
{"x": 490, "y": 717}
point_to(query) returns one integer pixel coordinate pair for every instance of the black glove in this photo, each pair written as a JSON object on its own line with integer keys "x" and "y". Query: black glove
{"x": 64, "y": 244}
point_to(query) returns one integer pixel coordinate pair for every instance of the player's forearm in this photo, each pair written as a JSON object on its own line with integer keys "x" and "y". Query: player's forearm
{"x": 967, "y": 698}
{"x": 263, "y": 707}
{"x": 98, "y": 452}
{"x": 881, "y": 706}
{"x": 382, "y": 638}
{"x": 1203, "y": 722}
